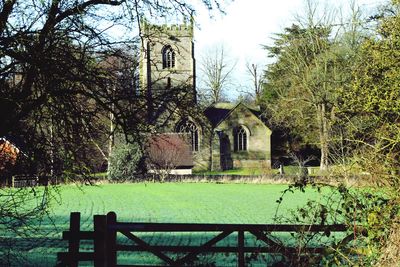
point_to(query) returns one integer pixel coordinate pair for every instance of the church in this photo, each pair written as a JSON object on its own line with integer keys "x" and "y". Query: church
{"x": 222, "y": 136}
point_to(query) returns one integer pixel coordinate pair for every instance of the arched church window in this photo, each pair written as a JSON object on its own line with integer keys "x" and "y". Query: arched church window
{"x": 168, "y": 57}
{"x": 191, "y": 129}
{"x": 240, "y": 139}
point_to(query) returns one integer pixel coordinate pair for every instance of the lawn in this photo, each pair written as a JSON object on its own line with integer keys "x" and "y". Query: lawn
{"x": 157, "y": 202}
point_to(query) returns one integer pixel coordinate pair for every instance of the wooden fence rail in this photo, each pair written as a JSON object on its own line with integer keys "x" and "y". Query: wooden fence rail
{"x": 24, "y": 181}
{"x": 106, "y": 227}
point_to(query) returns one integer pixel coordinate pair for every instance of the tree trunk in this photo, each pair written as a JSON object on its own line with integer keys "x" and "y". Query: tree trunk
{"x": 111, "y": 140}
{"x": 111, "y": 137}
{"x": 323, "y": 136}
{"x": 211, "y": 151}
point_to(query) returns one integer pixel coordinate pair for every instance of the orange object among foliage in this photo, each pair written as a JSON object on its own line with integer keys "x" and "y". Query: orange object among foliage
{"x": 8, "y": 154}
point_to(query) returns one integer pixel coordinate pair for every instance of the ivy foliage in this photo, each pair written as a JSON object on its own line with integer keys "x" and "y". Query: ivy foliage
{"x": 372, "y": 103}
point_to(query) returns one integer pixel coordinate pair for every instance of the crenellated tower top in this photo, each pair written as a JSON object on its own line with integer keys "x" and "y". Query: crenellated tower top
{"x": 184, "y": 29}
{"x": 167, "y": 57}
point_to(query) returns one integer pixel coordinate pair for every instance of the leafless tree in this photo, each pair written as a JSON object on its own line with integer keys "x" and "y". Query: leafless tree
{"x": 216, "y": 68}
{"x": 166, "y": 152}
{"x": 257, "y": 78}
{"x": 52, "y": 85}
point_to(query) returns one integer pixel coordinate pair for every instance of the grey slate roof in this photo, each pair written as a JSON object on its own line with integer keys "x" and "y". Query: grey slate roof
{"x": 217, "y": 112}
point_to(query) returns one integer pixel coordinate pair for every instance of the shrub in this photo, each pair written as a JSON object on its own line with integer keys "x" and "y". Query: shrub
{"x": 124, "y": 161}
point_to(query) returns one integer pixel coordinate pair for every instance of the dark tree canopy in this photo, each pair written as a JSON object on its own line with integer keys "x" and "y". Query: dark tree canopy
{"x": 58, "y": 80}
{"x": 66, "y": 68}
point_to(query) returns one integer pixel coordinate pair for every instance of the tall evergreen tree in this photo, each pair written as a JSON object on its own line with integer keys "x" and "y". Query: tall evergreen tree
{"x": 303, "y": 82}
{"x": 313, "y": 64}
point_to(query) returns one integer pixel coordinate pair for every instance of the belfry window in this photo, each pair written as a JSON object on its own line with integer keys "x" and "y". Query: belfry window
{"x": 168, "y": 57}
{"x": 240, "y": 139}
{"x": 191, "y": 129}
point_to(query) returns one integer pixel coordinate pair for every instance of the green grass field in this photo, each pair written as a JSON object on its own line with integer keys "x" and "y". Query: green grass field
{"x": 156, "y": 202}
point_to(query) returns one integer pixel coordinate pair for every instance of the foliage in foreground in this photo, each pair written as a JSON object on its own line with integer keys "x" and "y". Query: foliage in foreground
{"x": 358, "y": 83}
{"x": 370, "y": 214}
{"x": 22, "y": 210}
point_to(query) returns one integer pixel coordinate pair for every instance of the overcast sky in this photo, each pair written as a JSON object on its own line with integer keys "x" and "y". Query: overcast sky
{"x": 248, "y": 24}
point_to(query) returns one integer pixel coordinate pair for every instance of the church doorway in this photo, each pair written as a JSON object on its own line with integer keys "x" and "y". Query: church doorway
{"x": 225, "y": 153}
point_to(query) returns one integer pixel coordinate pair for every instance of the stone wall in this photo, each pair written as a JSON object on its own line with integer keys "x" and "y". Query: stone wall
{"x": 258, "y": 153}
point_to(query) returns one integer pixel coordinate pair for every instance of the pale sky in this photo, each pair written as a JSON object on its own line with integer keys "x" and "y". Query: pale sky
{"x": 250, "y": 23}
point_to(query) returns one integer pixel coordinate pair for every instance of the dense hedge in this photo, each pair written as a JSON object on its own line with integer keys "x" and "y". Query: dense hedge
{"x": 125, "y": 162}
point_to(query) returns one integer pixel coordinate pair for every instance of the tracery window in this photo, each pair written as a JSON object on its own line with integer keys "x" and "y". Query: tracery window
{"x": 190, "y": 128}
{"x": 240, "y": 139}
{"x": 168, "y": 57}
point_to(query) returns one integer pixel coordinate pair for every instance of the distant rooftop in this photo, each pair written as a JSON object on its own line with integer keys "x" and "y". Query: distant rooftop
{"x": 219, "y": 111}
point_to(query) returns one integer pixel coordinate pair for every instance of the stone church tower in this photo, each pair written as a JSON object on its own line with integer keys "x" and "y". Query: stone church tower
{"x": 224, "y": 135}
{"x": 167, "y": 59}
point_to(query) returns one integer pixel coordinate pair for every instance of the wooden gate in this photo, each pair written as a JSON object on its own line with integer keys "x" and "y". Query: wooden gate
{"x": 106, "y": 227}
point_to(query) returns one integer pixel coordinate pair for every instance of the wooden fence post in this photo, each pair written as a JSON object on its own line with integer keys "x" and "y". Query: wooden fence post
{"x": 100, "y": 231}
{"x": 241, "y": 261}
{"x": 73, "y": 245}
{"x": 111, "y": 240}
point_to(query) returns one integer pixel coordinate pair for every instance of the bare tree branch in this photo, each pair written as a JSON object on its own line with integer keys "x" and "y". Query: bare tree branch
{"x": 217, "y": 70}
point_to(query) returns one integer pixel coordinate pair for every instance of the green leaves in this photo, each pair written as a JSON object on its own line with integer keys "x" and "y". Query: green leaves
{"x": 372, "y": 103}
{"x": 124, "y": 162}
{"x": 302, "y": 85}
